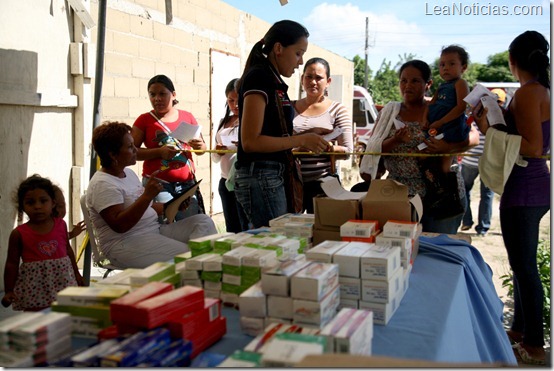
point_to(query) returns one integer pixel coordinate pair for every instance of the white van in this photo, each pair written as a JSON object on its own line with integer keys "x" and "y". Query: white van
{"x": 364, "y": 112}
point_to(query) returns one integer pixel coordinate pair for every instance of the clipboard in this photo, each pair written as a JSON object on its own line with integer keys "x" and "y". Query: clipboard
{"x": 171, "y": 207}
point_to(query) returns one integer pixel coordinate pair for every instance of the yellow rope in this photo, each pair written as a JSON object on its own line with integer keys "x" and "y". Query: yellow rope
{"x": 223, "y": 151}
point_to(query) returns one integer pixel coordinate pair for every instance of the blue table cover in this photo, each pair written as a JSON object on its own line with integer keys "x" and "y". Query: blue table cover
{"x": 451, "y": 311}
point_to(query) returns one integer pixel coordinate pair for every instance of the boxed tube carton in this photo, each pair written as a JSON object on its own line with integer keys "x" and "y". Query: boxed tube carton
{"x": 351, "y": 331}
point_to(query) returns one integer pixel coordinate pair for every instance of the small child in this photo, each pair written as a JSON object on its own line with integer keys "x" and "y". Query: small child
{"x": 42, "y": 244}
{"x": 61, "y": 211}
{"x": 446, "y": 111}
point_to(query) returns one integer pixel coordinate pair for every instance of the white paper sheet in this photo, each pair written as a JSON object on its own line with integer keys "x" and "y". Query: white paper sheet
{"x": 334, "y": 190}
{"x": 227, "y": 140}
{"x": 185, "y": 132}
{"x": 494, "y": 113}
{"x": 478, "y": 91}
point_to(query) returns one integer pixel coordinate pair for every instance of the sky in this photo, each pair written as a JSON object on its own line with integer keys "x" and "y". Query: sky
{"x": 401, "y": 27}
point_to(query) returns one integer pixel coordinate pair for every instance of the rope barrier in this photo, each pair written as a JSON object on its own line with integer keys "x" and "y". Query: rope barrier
{"x": 223, "y": 151}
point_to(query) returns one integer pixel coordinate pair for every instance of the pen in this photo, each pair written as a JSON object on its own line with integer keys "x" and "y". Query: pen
{"x": 158, "y": 179}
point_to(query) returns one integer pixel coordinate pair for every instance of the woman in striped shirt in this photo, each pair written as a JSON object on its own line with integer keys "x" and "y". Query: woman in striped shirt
{"x": 319, "y": 114}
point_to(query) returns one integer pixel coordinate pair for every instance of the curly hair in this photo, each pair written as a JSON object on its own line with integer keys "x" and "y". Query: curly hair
{"x": 107, "y": 139}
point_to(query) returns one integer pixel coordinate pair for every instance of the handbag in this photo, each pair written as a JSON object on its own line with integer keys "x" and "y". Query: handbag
{"x": 198, "y": 194}
{"x": 294, "y": 186}
{"x": 442, "y": 199}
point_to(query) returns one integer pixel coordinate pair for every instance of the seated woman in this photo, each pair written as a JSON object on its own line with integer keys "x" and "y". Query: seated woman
{"x": 122, "y": 211}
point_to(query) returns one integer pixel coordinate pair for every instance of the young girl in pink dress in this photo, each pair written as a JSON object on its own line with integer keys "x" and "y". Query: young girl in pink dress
{"x": 42, "y": 244}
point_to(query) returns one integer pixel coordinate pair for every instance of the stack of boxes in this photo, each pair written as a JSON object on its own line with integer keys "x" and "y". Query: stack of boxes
{"x": 32, "y": 339}
{"x": 293, "y": 291}
{"x": 89, "y": 307}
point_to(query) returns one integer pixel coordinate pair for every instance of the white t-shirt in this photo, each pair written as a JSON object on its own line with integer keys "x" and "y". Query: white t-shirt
{"x": 106, "y": 190}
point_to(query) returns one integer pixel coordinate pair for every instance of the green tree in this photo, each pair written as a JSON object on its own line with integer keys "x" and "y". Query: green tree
{"x": 359, "y": 71}
{"x": 384, "y": 86}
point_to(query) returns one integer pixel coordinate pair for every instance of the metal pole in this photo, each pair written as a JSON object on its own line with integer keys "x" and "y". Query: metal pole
{"x": 102, "y": 5}
{"x": 366, "y": 50}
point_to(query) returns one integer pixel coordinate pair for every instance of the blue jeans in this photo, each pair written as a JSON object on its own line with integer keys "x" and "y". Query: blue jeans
{"x": 469, "y": 173}
{"x": 170, "y": 190}
{"x": 260, "y": 190}
{"x": 235, "y": 219}
{"x": 520, "y": 231}
{"x": 448, "y": 226}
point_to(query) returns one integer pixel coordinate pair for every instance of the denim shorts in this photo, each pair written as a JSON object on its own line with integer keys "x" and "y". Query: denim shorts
{"x": 259, "y": 188}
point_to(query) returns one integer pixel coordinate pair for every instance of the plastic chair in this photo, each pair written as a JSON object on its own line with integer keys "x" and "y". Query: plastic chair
{"x": 98, "y": 259}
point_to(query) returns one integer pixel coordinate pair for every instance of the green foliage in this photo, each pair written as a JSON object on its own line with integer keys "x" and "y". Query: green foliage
{"x": 384, "y": 85}
{"x": 543, "y": 264}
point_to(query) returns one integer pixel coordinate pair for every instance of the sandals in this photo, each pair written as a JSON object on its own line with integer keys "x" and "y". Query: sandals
{"x": 526, "y": 357}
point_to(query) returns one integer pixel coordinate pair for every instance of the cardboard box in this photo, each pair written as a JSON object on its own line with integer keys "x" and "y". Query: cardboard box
{"x": 348, "y": 258}
{"x": 380, "y": 263}
{"x": 388, "y": 199}
{"x": 330, "y": 214}
{"x": 323, "y": 234}
{"x": 315, "y": 281}
{"x": 323, "y": 252}
{"x": 380, "y": 291}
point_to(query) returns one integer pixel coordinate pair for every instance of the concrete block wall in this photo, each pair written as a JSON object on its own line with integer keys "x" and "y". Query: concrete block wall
{"x": 139, "y": 45}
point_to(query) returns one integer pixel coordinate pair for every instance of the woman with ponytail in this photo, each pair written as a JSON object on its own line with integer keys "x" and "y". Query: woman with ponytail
{"x": 263, "y": 104}
{"x": 526, "y": 196}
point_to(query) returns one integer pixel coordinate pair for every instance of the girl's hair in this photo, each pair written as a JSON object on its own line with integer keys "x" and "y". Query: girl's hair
{"x": 530, "y": 53}
{"x": 33, "y": 182}
{"x": 107, "y": 139}
{"x": 165, "y": 81}
{"x": 420, "y": 65}
{"x": 462, "y": 53}
{"x": 231, "y": 86}
{"x": 321, "y": 61}
{"x": 285, "y": 32}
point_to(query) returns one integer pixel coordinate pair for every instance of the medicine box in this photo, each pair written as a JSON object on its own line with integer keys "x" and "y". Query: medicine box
{"x": 227, "y": 243}
{"x": 380, "y": 291}
{"x": 253, "y": 302}
{"x": 206, "y": 242}
{"x": 359, "y": 228}
{"x": 197, "y": 263}
{"x": 324, "y": 251}
{"x": 286, "y": 349}
{"x": 154, "y": 272}
{"x": 235, "y": 256}
{"x": 398, "y": 228}
{"x": 252, "y": 326}
{"x": 279, "y": 307}
{"x": 350, "y": 288}
{"x": 379, "y": 263}
{"x": 348, "y": 258}
{"x": 351, "y": 332}
{"x": 382, "y": 312}
{"x": 276, "y": 279}
{"x": 316, "y": 313}
{"x": 314, "y": 281}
